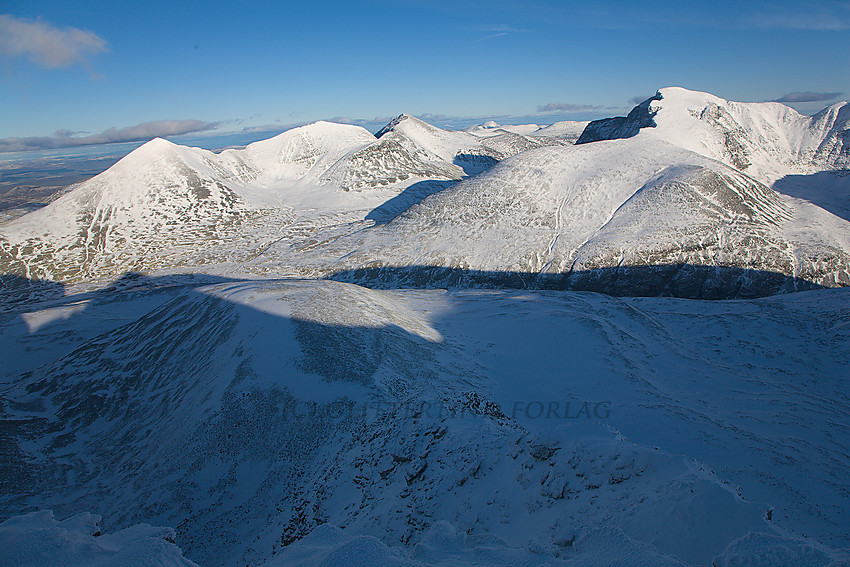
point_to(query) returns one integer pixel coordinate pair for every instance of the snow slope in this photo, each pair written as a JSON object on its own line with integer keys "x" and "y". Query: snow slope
{"x": 166, "y": 206}
{"x": 678, "y": 205}
{"x": 433, "y": 427}
{"x": 37, "y": 539}
{"x": 619, "y": 216}
{"x": 765, "y": 140}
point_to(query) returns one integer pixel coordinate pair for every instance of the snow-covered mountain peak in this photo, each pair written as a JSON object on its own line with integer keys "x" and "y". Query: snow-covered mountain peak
{"x": 156, "y": 145}
{"x": 441, "y": 144}
{"x": 766, "y": 140}
{"x": 149, "y": 152}
{"x": 292, "y": 155}
{"x": 409, "y": 125}
{"x": 319, "y": 136}
{"x": 392, "y": 124}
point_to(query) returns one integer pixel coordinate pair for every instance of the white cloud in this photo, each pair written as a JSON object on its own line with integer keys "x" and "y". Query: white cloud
{"x": 807, "y": 96}
{"x": 139, "y": 132}
{"x": 566, "y": 107}
{"x": 47, "y": 45}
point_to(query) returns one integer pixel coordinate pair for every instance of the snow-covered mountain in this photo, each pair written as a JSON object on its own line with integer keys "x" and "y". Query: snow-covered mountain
{"x": 223, "y": 383}
{"x": 626, "y": 217}
{"x": 491, "y": 128}
{"x": 163, "y": 203}
{"x": 639, "y": 212}
{"x": 567, "y": 130}
{"x": 764, "y": 140}
{"x": 675, "y": 198}
{"x": 474, "y": 153}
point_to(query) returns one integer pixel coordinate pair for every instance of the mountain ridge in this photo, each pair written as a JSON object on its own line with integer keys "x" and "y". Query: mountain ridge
{"x": 302, "y": 203}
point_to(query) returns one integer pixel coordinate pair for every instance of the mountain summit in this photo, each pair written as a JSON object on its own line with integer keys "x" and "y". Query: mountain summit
{"x": 766, "y": 140}
{"x": 686, "y": 179}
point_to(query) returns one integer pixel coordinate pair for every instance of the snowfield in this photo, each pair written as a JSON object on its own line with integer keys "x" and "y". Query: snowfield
{"x": 540, "y": 427}
{"x": 437, "y": 348}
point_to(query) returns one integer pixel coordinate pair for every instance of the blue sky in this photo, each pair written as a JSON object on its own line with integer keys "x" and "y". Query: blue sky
{"x": 116, "y": 70}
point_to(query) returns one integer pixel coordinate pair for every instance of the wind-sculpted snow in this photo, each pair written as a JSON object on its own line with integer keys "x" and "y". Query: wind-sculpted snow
{"x": 433, "y": 427}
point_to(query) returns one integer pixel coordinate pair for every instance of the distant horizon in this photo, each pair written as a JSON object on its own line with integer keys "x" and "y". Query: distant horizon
{"x": 214, "y": 140}
{"x": 118, "y": 71}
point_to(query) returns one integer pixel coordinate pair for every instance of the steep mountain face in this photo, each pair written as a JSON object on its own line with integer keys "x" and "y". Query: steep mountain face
{"x": 641, "y": 116}
{"x": 764, "y": 140}
{"x": 248, "y": 413}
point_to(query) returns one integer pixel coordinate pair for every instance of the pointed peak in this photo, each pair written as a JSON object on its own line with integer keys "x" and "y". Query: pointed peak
{"x": 405, "y": 121}
{"x": 392, "y": 124}
{"x": 156, "y": 146}
{"x": 158, "y": 142}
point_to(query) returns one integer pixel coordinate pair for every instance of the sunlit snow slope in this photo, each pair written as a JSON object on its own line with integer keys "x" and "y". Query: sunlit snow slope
{"x": 166, "y": 206}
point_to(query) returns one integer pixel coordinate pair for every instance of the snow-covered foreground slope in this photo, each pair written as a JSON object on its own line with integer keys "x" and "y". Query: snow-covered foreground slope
{"x": 38, "y": 540}
{"x": 433, "y": 427}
